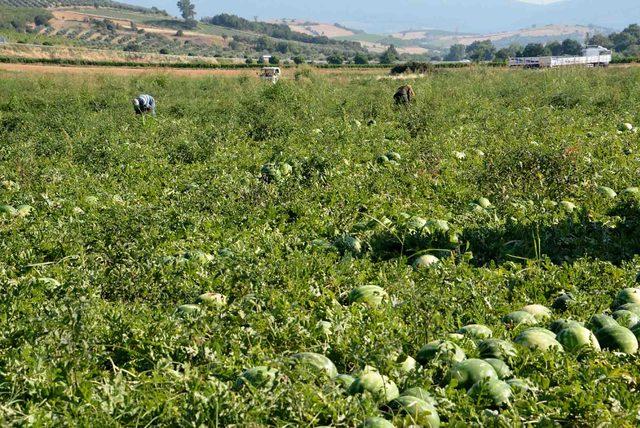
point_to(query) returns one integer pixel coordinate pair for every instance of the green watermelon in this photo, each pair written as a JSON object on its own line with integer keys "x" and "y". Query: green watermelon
{"x": 599, "y": 321}
{"x": 576, "y": 338}
{"x": 420, "y": 393}
{"x": 271, "y": 173}
{"x": 417, "y": 411}
{"x": 476, "y": 331}
{"x": 563, "y": 302}
{"x": 370, "y": 295}
{"x": 378, "y": 385}
{"x": 499, "y": 392}
{"x": 617, "y": 338}
{"x": 568, "y": 206}
{"x": 407, "y": 365}
{"x": 382, "y": 159}
{"x": 258, "y": 377}
{"x": 631, "y": 307}
{"x": 394, "y": 156}
{"x": 628, "y": 295}
{"x": 440, "y": 350}
{"x": 345, "y": 380}
{"x": 558, "y": 325}
{"x": 497, "y": 348}
{"x": 8, "y": 210}
{"x": 188, "y": 310}
{"x": 471, "y": 371}
{"x": 375, "y": 422}
{"x": 348, "y": 244}
{"x": 440, "y": 226}
{"x": 606, "y": 192}
{"x": 517, "y": 318}
{"x": 24, "y": 210}
{"x": 540, "y": 312}
{"x": 626, "y": 318}
{"x": 318, "y": 362}
{"x": 521, "y": 385}
{"x": 501, "y": 368}
{"x": 484, "y": 203}
{"x": 214, "y": 300}
{"x": 538, "y": 339}
{"x": 426, "y": 261}
{"x": 416, "y": 223}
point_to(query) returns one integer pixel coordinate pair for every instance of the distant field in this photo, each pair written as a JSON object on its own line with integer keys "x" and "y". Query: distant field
{"x": 391, "y": 242}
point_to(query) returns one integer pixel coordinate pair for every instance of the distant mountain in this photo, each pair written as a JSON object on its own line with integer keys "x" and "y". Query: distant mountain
{"x": 478, "y": 16}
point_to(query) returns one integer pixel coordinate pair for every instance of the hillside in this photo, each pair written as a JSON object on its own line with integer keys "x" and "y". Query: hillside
{"x": 67, "y": 3}
{"x": 476, "y": 16}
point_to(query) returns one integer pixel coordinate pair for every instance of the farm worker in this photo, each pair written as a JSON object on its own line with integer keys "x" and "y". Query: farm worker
{"x": 144, "y": 104}
{"x": 404, "y": 95}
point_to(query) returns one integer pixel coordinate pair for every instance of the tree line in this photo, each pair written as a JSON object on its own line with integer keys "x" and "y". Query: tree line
{"x": 625, "y": 43}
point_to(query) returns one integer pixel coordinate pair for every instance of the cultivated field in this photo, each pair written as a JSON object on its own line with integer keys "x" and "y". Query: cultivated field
{"x": 284, "y": 201}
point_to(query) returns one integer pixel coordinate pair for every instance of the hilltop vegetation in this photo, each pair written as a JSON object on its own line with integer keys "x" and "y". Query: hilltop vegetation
{"x": 67, "y": 3}
{"x": 286, "y": 200}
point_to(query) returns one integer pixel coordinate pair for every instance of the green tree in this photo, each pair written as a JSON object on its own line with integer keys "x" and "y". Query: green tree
{"x": 335, "y": 59}
{"x": 274, "y": 60}
{"x": 456, "y": 53}
{"x": 481, "y": 50}
{"x": 360, "y": 59}
{"x": 298, "y": 60}
{"x": 187, "y": 9}
{"x": 510, "y": 52}
{"x": 571, "y": 47}
{"x": 555, "y": 47}
{"x": 535, "y": 49}
{"x": 390, "y": 56}
{"x": 600, "y": 40}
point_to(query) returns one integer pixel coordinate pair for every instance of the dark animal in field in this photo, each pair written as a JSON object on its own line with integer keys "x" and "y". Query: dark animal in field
{"x": 404, "y": 95}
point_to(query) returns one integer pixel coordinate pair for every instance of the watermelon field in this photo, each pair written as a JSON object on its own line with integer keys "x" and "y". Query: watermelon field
{"x": 307, "y": 254}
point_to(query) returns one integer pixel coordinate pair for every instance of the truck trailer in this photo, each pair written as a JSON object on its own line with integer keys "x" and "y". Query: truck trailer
{"x": 593, "y": 56}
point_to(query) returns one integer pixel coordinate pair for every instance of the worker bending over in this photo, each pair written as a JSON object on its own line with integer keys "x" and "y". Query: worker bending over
{"x": 144, "y": 104}
{"x": 404, "y": 95}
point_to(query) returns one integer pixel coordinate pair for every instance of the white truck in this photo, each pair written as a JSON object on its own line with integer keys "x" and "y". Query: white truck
{"x": 270, "y": 74}
{"x": 593, "y": 56}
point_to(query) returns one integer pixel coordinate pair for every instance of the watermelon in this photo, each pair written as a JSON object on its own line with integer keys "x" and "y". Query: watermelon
{"x": 542, "y": 331}
{"x": 378, "y": 385}
{"x": 375, "y": 422}
{"x": 345, "y": 380}
{"x": 521, "y": 385}
{"x": 558, "y": 325}
{"x": 317, "y": 361}
{"x": 631, "y": 191}
{"x": 476, "y": 331}
{"x": 214, "y": 300}
{"x": 370, "y": 295}
{"x": 499, "y": 392}
{"x": 91, "y": 200}
{"x": 271, "y": 173}
{"x": 563, "y": 302}
{"x": 617, "y": 338}
{"x": 440, "y": 350}
{"x": 394, "y": 156}
{"x": 497, "y": 348}
{"x": 24, "y": 210}
{"x": 348, "y": 244}
{"x": 441, "y": 226}
{"x": 420, "y": 393}
{"x": 484, "y": 203}
{"x": 286, "y": 169}
{"x": 626, "y": 318}
{"x": 568, "y": 206}
{"x": 382, "y": 159}
{"x": 470, "y": 371}
{"x": 628, "y": 295}
{"x": 517, "y": 318}
{"x": 417, "y": 411}
{"x": 607, "y": 192}
{"x": 576, "y": 338}
{"x": 407, "y": 365}
{"x": 540, "y": 312}
{"x": 416, "y": 223}
{"x": 599, "y": 321}
{"x": 426, "y": 261}
{"x": 258, "y": 377}
{"x": 187, "y": 310}
{"x": 538, "y": 339}
{"x": 8, "y": 210}
{"x": 631, "y": 307}
{"x": 501, "y": 368}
